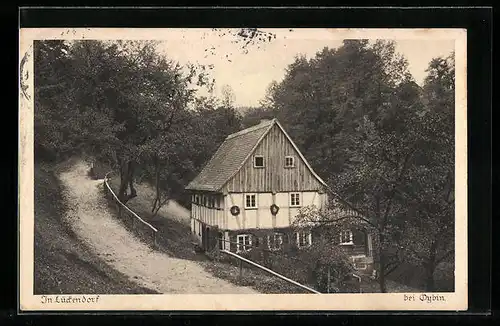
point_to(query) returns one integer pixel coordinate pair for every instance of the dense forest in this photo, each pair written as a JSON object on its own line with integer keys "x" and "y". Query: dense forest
{"x": 381, "y": 141}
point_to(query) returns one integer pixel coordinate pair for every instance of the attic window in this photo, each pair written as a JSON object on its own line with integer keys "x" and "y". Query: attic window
{"x": 258, "y": 161}
{"x": 289, "y": 161}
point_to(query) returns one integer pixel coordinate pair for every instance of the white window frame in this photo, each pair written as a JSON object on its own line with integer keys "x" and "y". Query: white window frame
{"x": 309, "y": 239}
{"x": 254, "y": 161}
{"x": 357, "y": 263}
{"x": 274, "y": 235}
{"x": 239, "y": 244}
{"x": 250, "y": 207}
{"x": 350, "y": 242}
{"x": 293, "y": 161}
{"x": 293, "y": 194}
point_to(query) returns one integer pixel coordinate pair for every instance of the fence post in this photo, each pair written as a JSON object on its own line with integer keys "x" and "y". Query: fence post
{"x": 328, "y": 285}
{"x": 241, "y": 269}
{"x": 154, "y": 240}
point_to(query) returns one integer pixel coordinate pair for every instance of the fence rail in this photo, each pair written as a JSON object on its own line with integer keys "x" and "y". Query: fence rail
{"x": 267, "y": 269}
{"x": 242, "y": 259}
{"x": 128, "y": 210}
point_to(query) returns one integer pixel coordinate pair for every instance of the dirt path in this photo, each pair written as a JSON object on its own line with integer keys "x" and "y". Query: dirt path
{"x": 94, "y": 224}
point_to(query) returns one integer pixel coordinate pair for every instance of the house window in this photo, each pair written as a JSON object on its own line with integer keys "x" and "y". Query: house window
{"x": 289, "y": 161}
{"x": 258, "y": 161}
{"x": 250, "y": 201}
{"x": 304, "y": 239}
{"x": 275, "y": 241}
{"x": 295, "y": 199}
{"x": 359, "y": 262}
{"x": 346, "y": 237}
{"x": 244, "y": 242}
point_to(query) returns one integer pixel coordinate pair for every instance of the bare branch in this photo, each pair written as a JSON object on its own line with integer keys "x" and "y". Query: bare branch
{"x": 347, "y": 217}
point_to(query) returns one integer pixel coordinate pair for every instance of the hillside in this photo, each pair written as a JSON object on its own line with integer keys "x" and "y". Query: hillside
{"x": 62, "y": 263}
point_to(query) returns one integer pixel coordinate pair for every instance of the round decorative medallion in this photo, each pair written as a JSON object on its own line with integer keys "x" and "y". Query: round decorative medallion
{"x": 274, "y": 209}
{"x": 235, "y": 210}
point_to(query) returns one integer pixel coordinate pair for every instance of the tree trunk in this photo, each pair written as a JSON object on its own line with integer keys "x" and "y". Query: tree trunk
{"x": 131, "y": 170}
{"x": 158, "y": 202}
{"x": 430, "y": 267}
{"x": 126, "y": 181}
{"x": 122, "y": 192}
{"x": 382, "y": 262}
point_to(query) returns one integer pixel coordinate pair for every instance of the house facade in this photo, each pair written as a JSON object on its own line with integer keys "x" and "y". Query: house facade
{"x": 251, "y": 190}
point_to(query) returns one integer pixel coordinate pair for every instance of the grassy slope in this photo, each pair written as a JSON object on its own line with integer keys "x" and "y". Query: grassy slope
{"x": 62, "y": 263}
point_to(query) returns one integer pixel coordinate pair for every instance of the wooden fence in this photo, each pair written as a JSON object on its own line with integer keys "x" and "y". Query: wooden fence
{"x": 145, "y": 230}
{"x": 242, "y": 259}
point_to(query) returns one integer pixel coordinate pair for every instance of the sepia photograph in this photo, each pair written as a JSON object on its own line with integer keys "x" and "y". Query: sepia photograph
{"x": 281, "y": 168}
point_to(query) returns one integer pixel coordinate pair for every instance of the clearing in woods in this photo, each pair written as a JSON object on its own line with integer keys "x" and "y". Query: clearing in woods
{"x": 105, "y": 235}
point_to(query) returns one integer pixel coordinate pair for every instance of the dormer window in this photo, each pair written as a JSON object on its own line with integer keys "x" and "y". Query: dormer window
{"x": 289, "y": 161}
{"x": 258, "y": 161}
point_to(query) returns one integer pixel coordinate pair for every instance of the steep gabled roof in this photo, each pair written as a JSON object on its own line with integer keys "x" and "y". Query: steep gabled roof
{"x": 232, "y": 155}
{"x": 229, "y": 158}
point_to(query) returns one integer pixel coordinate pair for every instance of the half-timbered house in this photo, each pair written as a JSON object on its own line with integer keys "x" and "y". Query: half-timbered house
{"x": 250, "y": 191}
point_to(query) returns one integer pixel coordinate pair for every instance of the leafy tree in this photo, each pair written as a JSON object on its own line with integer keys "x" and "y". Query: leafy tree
{"x": 430, "y": 194}
{"x": 253, "y": 116}
{"x": 111, "y": 99}
{"x": 51, "y": 102}
{"x": 352, "y": 111}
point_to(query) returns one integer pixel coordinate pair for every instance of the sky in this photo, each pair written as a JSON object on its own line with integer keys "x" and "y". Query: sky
{"x": 249, "y": 74}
